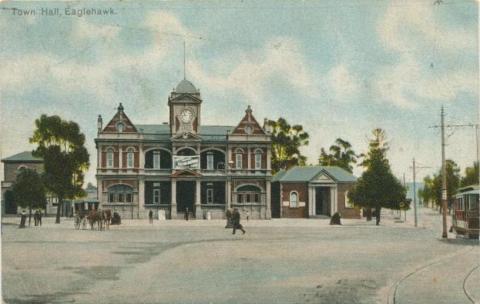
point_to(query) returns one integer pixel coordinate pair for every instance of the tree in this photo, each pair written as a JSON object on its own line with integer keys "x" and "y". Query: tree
{"x": 29, "y": 191}
{"x": 286, "y": 143}
{"x": 61, "y": 145}
{"x": 471, "y": 176}
{"x": 433, "y": 186}
{"x": 377, "y": 187}
{"x": 341, "y": 155}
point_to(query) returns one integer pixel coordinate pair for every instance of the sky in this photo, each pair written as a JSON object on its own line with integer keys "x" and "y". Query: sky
{"x": 339, "y": 68}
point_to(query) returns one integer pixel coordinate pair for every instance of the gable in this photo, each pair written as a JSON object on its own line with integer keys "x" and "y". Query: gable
{"x": 248, "y": 125}
{"x": 323, "y": 178}
{"x": 120, "y": 117}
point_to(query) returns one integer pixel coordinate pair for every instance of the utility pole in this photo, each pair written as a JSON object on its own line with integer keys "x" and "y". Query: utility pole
{"x": 444, "y": 176}
{"x": 414, "y": 167}
{"x": 444, "y": 165}
{"x": 414, "y": 195}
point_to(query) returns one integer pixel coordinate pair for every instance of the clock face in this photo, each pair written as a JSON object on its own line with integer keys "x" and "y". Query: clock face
{"x": 186, "y": 116}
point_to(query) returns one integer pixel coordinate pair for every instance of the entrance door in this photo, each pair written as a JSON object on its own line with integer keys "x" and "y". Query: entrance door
{"x": 185, "y": 196}
{"x": 10, "y": 206}
{"x": 322, "y": 201}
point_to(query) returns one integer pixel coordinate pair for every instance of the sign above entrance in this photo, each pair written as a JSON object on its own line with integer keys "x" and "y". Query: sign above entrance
{"x": 191, "y": 162}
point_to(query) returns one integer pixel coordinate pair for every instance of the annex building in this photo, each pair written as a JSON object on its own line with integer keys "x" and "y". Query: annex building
{"x": 183, "y": 166}
{"x": 313, "y": 191}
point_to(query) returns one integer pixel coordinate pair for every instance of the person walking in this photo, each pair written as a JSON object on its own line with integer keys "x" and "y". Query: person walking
{"x": 186, "y": 214}
{"x": 236, "y": 221}
{"x": 40, "y": 217}
{"x": 23, "y": 219}
{"x": 150, "y": 216}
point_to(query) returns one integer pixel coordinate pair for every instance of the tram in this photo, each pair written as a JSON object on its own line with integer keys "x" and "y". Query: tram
{"x": 466, "y": 213}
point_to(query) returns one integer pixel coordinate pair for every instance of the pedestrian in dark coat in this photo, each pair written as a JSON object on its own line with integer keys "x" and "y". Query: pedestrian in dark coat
{"x": 40, "y": 217}
{"x": 186, "y": 214}
{"x": 236, "y": 221}
{"x": 150, "y": 216}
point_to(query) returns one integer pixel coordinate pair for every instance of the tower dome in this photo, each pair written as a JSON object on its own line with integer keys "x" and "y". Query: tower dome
{"x": 186, "y": 86}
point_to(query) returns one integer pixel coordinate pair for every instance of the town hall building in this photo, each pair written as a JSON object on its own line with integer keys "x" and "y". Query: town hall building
{"x": 184, "y": 166}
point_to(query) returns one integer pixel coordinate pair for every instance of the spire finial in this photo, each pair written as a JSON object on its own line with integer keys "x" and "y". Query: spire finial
{"x": 184, "y": 60}
{"x": 120, "y": 107}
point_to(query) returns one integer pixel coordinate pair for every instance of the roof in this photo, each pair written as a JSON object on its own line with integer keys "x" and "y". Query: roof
{"x": 25, "y": 156}
{"x": 186, "y": 86}
{"x": 162, "y": 132}
{"x": 308, "y": 173}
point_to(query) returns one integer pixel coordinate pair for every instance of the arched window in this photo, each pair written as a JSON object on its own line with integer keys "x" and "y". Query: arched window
{"x": 239, "y": 159}
{"x": 110, "y": 158}
{"x": 130, "y": 158}
{"x": 120, "y": 127}
{"x": 258, "y": 159}
{"x": 293, "y": 199}
{"x": 120, "y": 194}
{"x": 248, "y": 194}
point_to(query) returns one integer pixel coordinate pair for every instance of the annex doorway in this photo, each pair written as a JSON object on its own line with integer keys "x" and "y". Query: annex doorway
{"x": 322, "y": 201}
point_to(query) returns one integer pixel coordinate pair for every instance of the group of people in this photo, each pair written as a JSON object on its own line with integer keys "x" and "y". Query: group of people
{"x": 37, "y": 218}
{"x": 233, "y": 219}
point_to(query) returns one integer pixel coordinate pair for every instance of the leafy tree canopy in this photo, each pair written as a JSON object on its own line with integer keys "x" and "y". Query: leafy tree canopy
{"x": 61, "y": 145}
{"x": 471, "y": 176}
{"x": 286, "y": 143}
{"x": 341, "y": 155}
{"x": 28, "y": 190}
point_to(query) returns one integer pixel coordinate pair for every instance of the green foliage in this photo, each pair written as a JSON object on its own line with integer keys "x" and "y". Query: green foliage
{"x": 286, "y": 143}
{"x": 378, "y": 187}
{"x": 341, "y": 155}
{"x": 432, "y": 191}
{"x": 471, "y": 176}
{"x": 28, "y": 190}
{"x": 61, "y": 145}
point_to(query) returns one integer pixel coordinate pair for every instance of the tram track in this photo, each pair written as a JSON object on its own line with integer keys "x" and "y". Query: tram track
{"x": 469, "y": 296}
{"x": 393, "y": 291}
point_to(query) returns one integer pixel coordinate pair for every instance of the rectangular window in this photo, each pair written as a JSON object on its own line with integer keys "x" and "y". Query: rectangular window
{"x": 257, "y": 198}
{"x": 239, "y": 158}
{"x": 111, "y": 197}
{"x": 258, "y": 161}
{"x": 209, "y": 161}
{"x": 156, "y": 160}
{"x": 247, "y": 198}
{"x": 110, "y": 159}
{"x": 156, "y": 196}
{"x": 130, "y": 160}
{"x": 239, "y": 198}
{"x": 129, "y": 198}
{"x": 120, "y": 197}
{"x": 209, "y": 196}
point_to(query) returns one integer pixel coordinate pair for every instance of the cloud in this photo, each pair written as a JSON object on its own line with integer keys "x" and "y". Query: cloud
{"x": 433, "y": 59}
{"x": 343, "y": 83}
{"x": 280, "y": 58}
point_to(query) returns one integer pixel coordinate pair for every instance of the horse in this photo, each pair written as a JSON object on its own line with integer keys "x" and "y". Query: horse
{"x": 96, "y": 216}
{"x": 80, "y": 219}
{"x": 107, "y": 217}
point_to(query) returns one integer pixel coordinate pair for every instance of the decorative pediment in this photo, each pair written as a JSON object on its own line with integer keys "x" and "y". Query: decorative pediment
{"x": 120, "y": 123}
{"x": 248, "y": 125}
{"x": 185, "y": 98}
{"x": 185, "y": 173}
{"x": 323, "y": 177}
{"x": 187, "y": 136}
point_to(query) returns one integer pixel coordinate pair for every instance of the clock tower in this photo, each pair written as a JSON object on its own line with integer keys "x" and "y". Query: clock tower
{"x": 185, "y": 104}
